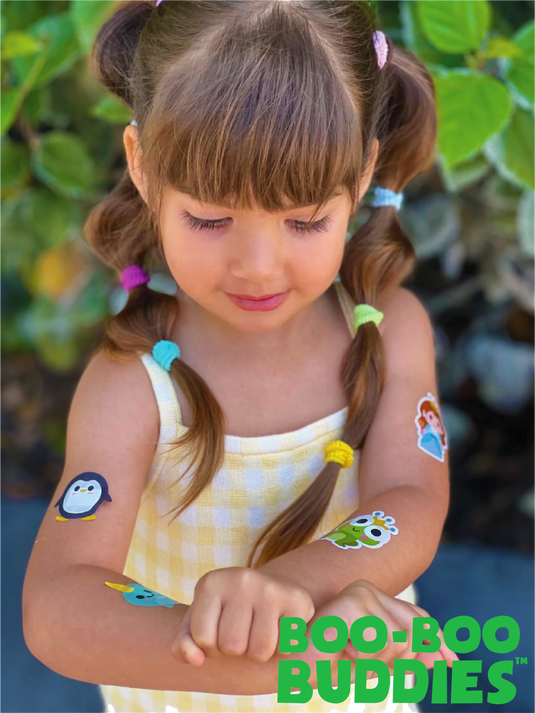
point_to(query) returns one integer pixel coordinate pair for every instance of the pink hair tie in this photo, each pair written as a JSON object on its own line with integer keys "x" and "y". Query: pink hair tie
{"x": 133, "y": 276}
{"x": 381, "y": 48}
{"x": 157, "y": 3}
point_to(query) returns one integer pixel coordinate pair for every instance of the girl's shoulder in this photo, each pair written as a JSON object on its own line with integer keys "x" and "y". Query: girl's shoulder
{"x": 403, "y": 312}
{"x": 406, "y": 327}
{"x": 108, "y": 385}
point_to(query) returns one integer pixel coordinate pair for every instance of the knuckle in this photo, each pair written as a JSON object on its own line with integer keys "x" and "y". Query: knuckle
{"x": 204, "y": 643}
{"x": 232, "y": 648}
{"x": 270, "y": 589}
{"x": 245, "y": 579}
{"x": 260, "y": 656}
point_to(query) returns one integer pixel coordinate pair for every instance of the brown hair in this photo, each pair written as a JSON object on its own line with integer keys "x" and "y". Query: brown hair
{"x": 246, "y": 104}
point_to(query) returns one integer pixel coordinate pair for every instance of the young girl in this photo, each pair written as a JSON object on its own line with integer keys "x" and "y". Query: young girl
{"x": 245, "y": 449}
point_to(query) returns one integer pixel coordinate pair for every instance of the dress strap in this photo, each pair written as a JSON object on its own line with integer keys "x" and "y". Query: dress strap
{"x": 347, "y": 305}
{"x": 166, "y": 398}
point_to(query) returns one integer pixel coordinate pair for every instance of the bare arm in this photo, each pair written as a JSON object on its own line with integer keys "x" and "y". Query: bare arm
{"x": 395, "y": 475}
{"x": 72, "y": 621}
{"x": 89, "y": 632}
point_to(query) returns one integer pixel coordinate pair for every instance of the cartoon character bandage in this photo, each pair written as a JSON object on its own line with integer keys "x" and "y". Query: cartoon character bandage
{"x": 431, "y": 431}
{"x": 363, "y": 531}
{"x": 142, "y": 596}
{"x": 82, "y": 496}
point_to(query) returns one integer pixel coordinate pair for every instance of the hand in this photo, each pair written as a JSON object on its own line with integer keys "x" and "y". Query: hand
{"x": 236, "y": 611}
{"x": 362, "y": 598}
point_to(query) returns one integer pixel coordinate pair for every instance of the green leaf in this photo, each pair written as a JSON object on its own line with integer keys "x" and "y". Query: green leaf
{"x": 525, "y": 39}
{"x": 519, "y": 72}
{"x": 112, "y": 110}
{"x": 20, "y": 15}
{"x": 520, "y": 79}
{"x": 512, "y": 150}
{"x": 498, "y": 46}
{"x": 455, "y": 26}
{"x": 62, "y": 49}
{"x": 11, "y": 99}
{"x": 51, "y": 217}
{"x": 88, "y": 17}
{"x": 20, "y": 248}
{"x": 471, "y": 107}
{"x": 19, "y": 44}
{"x": 37, "y": 107}
{"x": 526, "y": 228}
{"x": 62, "y": 162}
{"x": 414, "y": 38}
{"x": 15, "y": 164}
{"x": 466, "y": 173}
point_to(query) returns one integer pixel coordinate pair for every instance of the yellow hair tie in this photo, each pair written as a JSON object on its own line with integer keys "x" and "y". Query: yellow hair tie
{"x": 339, "y": 452}
{"x": 367, "y": 313}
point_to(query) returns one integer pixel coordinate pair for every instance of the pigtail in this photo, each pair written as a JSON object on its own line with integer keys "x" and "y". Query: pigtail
{"x": 122, "y": 231}
{"x": 377, "y": 258}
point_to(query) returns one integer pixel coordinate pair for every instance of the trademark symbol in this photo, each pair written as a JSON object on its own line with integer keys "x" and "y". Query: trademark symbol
{"x": 521, "y": 660}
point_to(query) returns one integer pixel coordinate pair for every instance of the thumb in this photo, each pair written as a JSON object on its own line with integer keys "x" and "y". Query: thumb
{"x": 184, "y": 647}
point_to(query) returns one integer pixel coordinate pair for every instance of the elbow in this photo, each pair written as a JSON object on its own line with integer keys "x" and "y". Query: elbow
{"x": 32, "y": 631}
{"x": 36, "y": 632}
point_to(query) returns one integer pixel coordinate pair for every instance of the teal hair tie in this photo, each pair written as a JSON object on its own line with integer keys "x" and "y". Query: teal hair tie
{"x": 367, "y": 313}
{"x": 164, "y": 352}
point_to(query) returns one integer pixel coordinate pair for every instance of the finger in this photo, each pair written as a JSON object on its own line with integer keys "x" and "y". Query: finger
{"x": 183, "y": 647}
{"x": 205, "y": 614}
{"x": 390, "y": 650}
{"x": 444, "y": 651}
{"x": 233, "y": 630}
{"x": 404, "y": 613}
{"x": 449, "y": 655}
{"x": 263, "y": 637}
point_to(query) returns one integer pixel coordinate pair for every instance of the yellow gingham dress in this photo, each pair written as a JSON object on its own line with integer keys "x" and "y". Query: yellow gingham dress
{"x": 260, "y": 477}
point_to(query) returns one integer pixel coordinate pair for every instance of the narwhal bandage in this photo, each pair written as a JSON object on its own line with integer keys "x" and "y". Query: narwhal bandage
{"x": 142, "y": 596}
{"x": 82, "y": 497}
{"x": 363, "y": 531}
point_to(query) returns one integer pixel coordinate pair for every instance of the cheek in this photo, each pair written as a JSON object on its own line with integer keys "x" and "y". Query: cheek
{"x": 188, "y": 259}
{"x": 316, "y": 259}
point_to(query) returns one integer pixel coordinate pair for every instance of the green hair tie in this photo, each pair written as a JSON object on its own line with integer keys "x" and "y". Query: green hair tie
{"x": 367, "y": 313}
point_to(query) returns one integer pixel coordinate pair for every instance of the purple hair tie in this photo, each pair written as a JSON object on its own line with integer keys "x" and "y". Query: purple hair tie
{"x": 381, "y": 48}
{"x": 133, "y": 276}
{"x": 157, "y": 3}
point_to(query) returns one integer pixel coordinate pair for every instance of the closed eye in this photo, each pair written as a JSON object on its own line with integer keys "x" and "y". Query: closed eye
{"x": 300, "y": 226}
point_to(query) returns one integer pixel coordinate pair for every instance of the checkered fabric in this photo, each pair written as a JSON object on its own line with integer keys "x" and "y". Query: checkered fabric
{"x": 260, "y": 477}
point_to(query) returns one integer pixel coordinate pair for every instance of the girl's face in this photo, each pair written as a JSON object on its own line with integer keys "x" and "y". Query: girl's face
{"x": 434, "y": 421}
{"x": 250, "y": 253}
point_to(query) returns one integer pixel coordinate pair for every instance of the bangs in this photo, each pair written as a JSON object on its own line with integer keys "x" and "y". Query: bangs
{"x": 261, "y": 123}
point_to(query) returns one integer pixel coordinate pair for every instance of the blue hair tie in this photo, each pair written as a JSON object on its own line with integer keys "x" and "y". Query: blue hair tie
{"x": 164, "y": 352}
{"x": 384, "y": 196}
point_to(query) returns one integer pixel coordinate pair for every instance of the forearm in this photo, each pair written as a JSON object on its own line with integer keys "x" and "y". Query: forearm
{"x": 87, "y": 631}
{"x": 324, "y": 569}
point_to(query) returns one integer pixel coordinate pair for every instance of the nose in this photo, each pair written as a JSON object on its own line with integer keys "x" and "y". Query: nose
{"x": 259, "y": 259}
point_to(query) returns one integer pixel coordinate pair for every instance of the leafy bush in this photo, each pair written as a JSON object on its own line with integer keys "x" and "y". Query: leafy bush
{"x": 62, "y": 151}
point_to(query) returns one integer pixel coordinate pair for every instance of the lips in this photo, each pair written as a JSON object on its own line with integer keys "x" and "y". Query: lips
{"x": 265, "y": 304}
{"x": 252, "y": 297}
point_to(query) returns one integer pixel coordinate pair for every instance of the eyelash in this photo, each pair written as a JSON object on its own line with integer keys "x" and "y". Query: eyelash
{"x": 198, "y": 224}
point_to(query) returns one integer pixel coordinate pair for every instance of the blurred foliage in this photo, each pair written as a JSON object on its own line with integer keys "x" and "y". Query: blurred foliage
{"x": 62, "y": 152}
